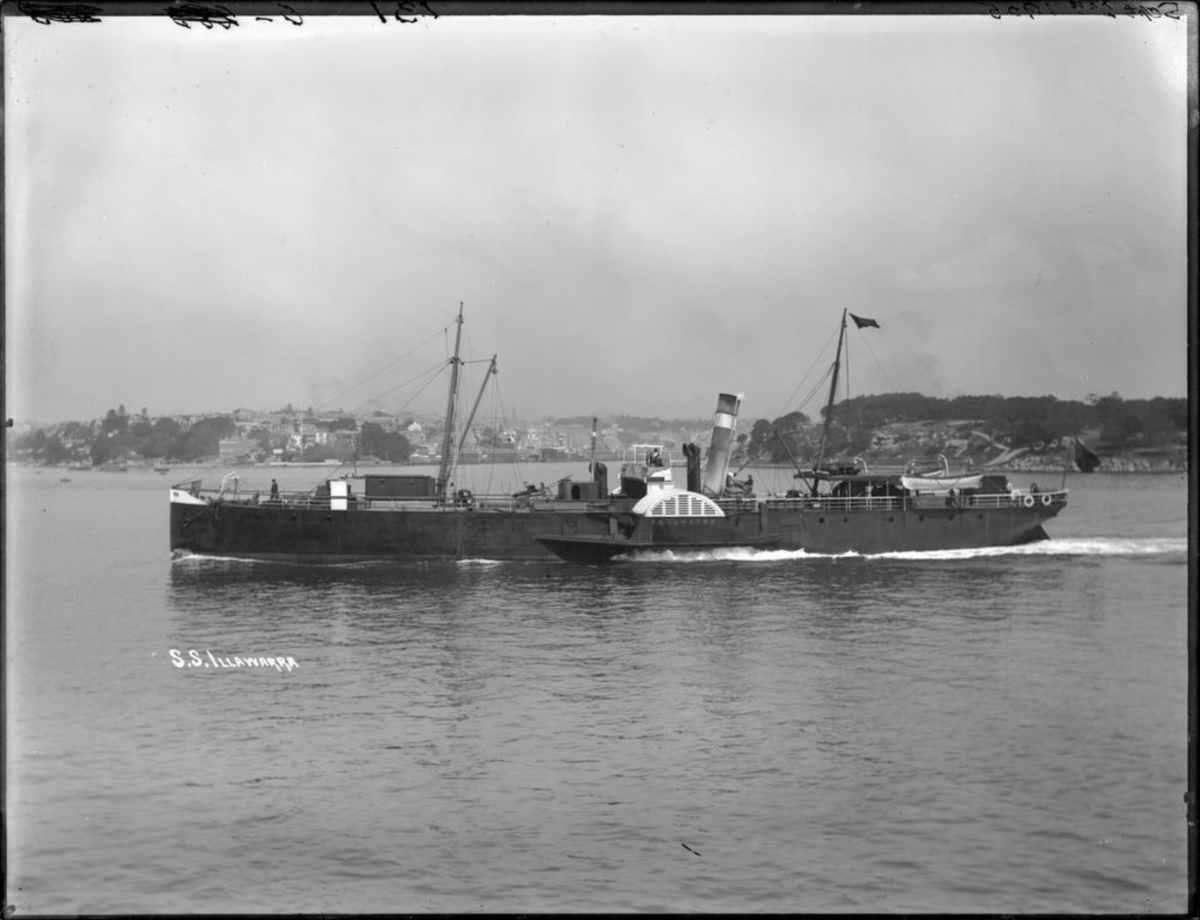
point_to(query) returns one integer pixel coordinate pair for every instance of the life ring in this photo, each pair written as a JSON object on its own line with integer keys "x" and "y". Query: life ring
{"x": 465, "y": 497}
{"x": 1046, "y": 500}
{"x": 1029, "y": 501}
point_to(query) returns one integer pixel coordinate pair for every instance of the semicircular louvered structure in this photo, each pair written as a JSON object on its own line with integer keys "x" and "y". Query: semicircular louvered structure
{"x": 677, "y": 504}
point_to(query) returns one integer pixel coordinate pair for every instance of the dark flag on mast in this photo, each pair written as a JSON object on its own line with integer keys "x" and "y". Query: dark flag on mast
{"x": 1084, "y": 458}
{"x": 862, "y": 322}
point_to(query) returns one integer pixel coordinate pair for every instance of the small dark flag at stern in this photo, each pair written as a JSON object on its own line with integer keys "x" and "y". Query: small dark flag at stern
{"x": 862, "y": 322}
{"x": 1084, "y": 458}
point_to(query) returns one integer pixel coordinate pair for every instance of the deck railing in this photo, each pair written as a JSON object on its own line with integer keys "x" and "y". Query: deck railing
{"x": 737, "y": 505}
{"x": 358, "y": 502}
{"x": 899, "y": 503}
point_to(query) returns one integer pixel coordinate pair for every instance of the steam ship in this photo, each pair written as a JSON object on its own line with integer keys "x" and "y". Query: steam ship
{"x": 839, "y": 509}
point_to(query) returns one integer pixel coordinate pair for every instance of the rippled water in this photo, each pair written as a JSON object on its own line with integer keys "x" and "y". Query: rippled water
{"x": 973, "y": 731}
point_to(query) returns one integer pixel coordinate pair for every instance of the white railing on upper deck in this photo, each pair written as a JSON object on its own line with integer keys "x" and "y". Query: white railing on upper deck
{"x": 838, "y": 503}
{"x": 899, "y": 503}
{"x": 1019, "y": 499}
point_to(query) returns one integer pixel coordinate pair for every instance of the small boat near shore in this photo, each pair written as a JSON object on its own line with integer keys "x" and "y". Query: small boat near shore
{"x": 842, "y": 508}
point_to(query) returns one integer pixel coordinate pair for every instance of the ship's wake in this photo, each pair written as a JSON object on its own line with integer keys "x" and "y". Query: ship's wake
{"x": 185, "y": 560}
{"x": 199, "y": 561}
{"x": 1166, "y": 548}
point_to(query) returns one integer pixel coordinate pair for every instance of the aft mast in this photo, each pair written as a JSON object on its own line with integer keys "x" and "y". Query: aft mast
{"x": 837, "y": 363}
{"x": 475, "y": 408}
{"x": 448, "y": 435}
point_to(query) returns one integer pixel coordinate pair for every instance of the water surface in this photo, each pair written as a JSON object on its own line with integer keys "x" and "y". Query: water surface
{"x": 984, "y": 731}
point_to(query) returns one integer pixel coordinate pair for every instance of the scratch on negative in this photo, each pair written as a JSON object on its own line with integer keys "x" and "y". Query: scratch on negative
{"x": 688, "y": 848}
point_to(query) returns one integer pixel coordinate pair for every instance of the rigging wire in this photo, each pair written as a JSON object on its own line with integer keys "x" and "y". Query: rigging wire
{"x": 387, "y": 367}
{"x": 817, "y": 388}
{"x": 829, "y": 370}
{"x": 811, "y": 367}
{"x": 424, "y": 386}
{"x": 515, "y": 461}
{"x": 878, "y": 364}
{"x": 497, "y": 415}
{"x": 432, "y": 374}
{"x": 494, "y": 414}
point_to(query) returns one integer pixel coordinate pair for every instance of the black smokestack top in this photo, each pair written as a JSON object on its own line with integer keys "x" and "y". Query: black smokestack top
{"x": 692, "y": 452}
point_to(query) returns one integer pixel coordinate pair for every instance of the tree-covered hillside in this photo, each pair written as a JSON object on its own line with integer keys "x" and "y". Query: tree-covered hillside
{"x": 916, "y": 425}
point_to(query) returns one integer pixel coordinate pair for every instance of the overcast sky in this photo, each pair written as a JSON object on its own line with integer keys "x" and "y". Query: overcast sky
{"x": 638, "y": 212}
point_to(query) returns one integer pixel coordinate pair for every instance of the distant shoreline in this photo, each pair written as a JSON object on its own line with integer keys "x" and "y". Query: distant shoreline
{"x": 1125, "y": 467}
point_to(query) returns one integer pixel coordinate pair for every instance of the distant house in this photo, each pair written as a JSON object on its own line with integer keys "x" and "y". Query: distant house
{"x": 304, "y": 434}
{"x": 343, "y": 440}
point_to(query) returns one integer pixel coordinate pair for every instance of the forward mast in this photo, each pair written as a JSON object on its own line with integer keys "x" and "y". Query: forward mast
{"x": 447, "y": 463}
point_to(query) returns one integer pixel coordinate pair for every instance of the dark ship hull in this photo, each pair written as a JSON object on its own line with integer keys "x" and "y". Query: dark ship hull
{"x": 863, "y": 532}
{"x": 311, "y": 532}
{"x": 320, "y": 530}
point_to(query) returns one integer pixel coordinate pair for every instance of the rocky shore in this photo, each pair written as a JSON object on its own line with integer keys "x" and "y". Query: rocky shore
{"x": 1117, "y": 463}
